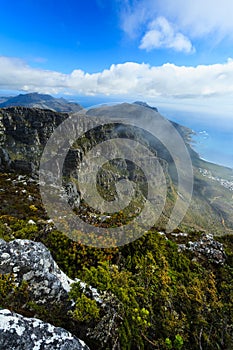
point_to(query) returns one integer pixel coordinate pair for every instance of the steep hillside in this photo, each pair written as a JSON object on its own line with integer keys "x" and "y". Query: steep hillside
{"x": 211, "y": 207}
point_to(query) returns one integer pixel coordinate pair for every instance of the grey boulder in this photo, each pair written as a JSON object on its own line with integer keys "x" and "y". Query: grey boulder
{"x": 32, "y": 262}
{"x": 21, "y": 333}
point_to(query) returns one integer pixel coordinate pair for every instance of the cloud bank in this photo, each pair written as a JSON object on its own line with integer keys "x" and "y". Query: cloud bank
{"x": 126, "y": 79}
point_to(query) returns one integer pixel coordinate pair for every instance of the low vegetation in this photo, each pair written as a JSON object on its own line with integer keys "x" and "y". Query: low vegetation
{"x": 151, "y": 296}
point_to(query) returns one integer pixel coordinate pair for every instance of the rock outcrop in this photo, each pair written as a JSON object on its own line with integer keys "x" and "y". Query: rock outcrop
{"x": 48, "y": 287}
{"x": 206, "y": 248}
{"x": 144, "y": 104}
{"x": 21, "y": 333}
{"x": 32, "y": 262}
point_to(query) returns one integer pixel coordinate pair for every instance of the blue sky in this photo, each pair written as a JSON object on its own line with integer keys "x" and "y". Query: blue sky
{"x": 93, "y": 35}
{"x": 177, "y": 55}
{"x": 164, "y": 49}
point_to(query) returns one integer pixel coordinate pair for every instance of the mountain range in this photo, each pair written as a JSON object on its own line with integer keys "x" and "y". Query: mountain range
{"x": 24, "y": 132}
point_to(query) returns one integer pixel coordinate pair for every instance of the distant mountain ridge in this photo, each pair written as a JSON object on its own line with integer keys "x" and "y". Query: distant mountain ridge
{"x": 43, "y": 101}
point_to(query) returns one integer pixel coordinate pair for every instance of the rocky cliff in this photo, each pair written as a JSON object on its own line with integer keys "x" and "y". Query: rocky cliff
{"x": 23, "y": 134}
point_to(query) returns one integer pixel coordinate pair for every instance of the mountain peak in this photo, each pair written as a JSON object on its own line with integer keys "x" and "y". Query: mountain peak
{"x": 43, "y": 101}
{"x": 144, "y": 104}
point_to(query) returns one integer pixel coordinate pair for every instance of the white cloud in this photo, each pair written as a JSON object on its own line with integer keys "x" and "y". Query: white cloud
{"x": 132, "y": 80}
{"x": 194, "y": 19}
{"x": 200, "y": 17}
{"x": 161, "y": 34}
{"x": 15, "y": 74}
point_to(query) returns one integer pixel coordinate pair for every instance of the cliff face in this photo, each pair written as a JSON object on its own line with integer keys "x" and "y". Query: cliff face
{"x": 23, "y": 134}
{"x": 25, "y": 131}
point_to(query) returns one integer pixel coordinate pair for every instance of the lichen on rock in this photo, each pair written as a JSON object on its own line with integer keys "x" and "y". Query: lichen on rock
{"x": 32, "y": 262}
{"x": 21, "y": 333}
{"x": 206, "y": 248}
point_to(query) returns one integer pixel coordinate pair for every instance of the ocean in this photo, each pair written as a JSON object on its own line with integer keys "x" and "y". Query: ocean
{"x": 213, "y": 135}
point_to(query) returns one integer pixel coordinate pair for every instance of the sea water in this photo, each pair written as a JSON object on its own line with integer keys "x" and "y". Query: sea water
{"x": 213, "y": 135}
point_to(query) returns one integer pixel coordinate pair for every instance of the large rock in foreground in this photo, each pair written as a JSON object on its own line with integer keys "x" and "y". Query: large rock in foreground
{"x": 21, "y": 333}
{"x": 32, "y": 262}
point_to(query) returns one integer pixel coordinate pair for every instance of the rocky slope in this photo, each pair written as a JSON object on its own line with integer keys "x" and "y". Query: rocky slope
{"x": 211, "y": 207}
{"x": 160, "y": 291}
{"x": 32, "y": 263}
